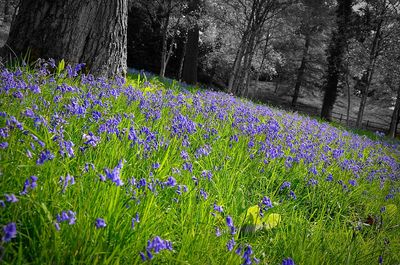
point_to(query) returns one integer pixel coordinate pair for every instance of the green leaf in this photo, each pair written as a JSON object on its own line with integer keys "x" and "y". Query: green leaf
{"x": 60, "y": 67}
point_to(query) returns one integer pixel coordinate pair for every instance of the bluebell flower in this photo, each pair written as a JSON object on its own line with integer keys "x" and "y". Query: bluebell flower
{"x": 10, "y": 232}
{"x": 266, "y": 203}
{"x": 2, "y": 204}
{"x": 171, "y": 182}
{"x": 184, "y": 155}
{"x": 142, "y": 256}
{"x": 231, "y": 244}
{"x": 288, "y": 261}
{"x": 44, "y": 156}
{"x": 66, "y": 216}
{"x": 11, "y": 198}
{"x": 135, "y": 220}
{"x": 217, "y": 232}
{"x": 115, "y": 174}
{"x": 29, "y": 184}
{"x": 67, "y": 181}
{"x": 293, "y": 195}
{"x": 380, "y": 260}
{"x": 91, "y": 139}
{"x": 312, "y": 182}
{"x": 285, "y": 184}
{"x": 329, "y": 177}
{"x": 100, "y": 223}
{"x": 218, "y": 208}
{"x": 203, "y": 194}
{"x": 156, "y": 165}
{"x": 247, "y": 255}
{"x": 3, "y": 145}
{"x": 353, "y": 182}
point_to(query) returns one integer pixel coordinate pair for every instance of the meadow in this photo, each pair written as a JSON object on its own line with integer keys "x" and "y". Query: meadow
{"x": 127, "y": 171}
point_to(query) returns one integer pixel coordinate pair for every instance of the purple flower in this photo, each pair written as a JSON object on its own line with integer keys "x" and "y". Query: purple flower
{"x": 247, "y": 255}
{"x": 30, "y": 183}
{"x": 10, "y": 232}
{"x": 67, "y": 181}
{"x": 218, "y": 208}
{"x": 100, "y": 223}
{"x": 353, "y": 182}
{"x": 217, "y": 232}
{"x": 231, "y": 244}
{"x": 229, "y": 223}
{"x": 380, "y": 260}
{"x": 3, "y": 145}
{"x": 66, "y": 216}
{"x": 2, "y": 204}
{"x": 135, "y": 220}
{"x": 171, "y": 182}
{"x": 11, "y": 198}
{"x": 156, "y": 165}
{"x": 329, "y": 177}
{"x": 266, "y": 202}
{"x": 203, "y": 194}
{"x": 91, "y": 139}
{"x": 288, "y": 261}
{"x": 44, "y": 156}
{"x": 115, "y": 174}
{"x": 312, "y": 182}
{"x": 285, "y": 184}
{"x": 156, "y": 245}
{"x": 293, "y": 195}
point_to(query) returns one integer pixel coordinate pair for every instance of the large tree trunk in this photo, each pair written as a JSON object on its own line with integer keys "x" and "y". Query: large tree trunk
{"x": 92, "y": 32}
{"x": 336, "y": 51}
{"x": 192, "y": 49}
{"x": 369, "y": 73}
{"x": 300, "y": 72}
{"x": 395, "y": 116}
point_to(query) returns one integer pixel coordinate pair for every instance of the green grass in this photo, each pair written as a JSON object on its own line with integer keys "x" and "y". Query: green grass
{"x": 325, "y": 224}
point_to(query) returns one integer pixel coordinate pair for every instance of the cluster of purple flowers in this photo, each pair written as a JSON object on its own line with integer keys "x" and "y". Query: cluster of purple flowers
{"x": 65, "y": 216}
{"x": 155, "y": 245}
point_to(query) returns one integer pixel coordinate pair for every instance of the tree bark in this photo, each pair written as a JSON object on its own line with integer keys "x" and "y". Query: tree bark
{"x": 300, "y": 72}
{"x": 92, "y": 32}
{"x": 369, "y": 73}
{"x": 335, "y": 57}
{"x": 182, "y": 57}
{"x": 395, "y": 116}
{"x": 164, "y": 34}
{"x": 191, "y": 57}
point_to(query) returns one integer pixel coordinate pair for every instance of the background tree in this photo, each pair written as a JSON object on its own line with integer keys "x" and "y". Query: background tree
{"x": 92, "y": 32}
{"x": 336, "y": 50}
{"x": 189, "y": 74}
{"x": 311, "y": 19}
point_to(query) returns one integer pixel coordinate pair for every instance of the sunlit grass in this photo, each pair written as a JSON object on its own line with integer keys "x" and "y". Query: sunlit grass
{"x": 180, "y": 152}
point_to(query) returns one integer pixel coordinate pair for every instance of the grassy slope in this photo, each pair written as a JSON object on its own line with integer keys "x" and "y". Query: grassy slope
{"x": 218, "y": 148}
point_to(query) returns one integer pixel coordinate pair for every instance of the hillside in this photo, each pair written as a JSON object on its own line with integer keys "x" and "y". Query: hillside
{"x": 128, "y": 171}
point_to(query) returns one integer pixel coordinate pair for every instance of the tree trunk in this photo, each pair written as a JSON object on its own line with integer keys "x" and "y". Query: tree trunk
{"x": 191, "y": 57}
{"x": 164, "y": 35}
{"x": 348, "y": 99}
{"x": 236, "y": 67}
{"x": 182, "y": 57}
{"x": 369, "y": 73}
{"x": 336, "y": 51}
{"x": 300, "y": 72}
{"x": 92, "y": 32}
{"x": 395, "y": 116}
